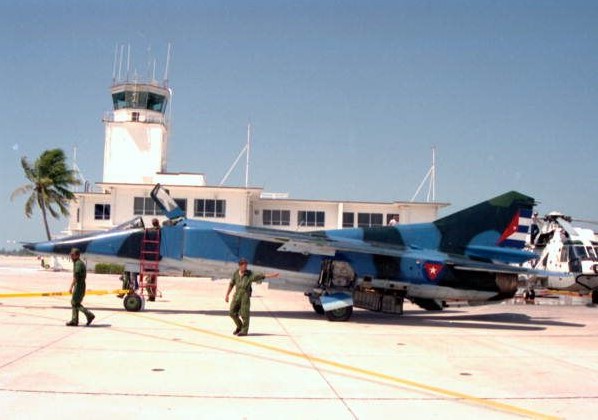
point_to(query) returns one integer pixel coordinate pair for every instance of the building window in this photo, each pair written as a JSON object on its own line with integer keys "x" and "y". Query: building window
{"x": 209, "y": 208}
{"x": 145, "y": 206}
{"x": 369, "y": 219}
{"x": 310, "y": 218}
{"x": 348, "y": 220}
{"x": 276, "y": 217}
{"x": 182, "y": 203}
{"x": 78, "y": 215}
{"x": 102, "y": 212}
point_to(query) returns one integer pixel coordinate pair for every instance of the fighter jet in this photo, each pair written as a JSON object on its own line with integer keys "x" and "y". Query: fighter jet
{"x": 471, "y": 256}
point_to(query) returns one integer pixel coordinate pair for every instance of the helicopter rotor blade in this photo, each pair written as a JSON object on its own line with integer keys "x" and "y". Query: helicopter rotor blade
{"x": 592, "y": 222}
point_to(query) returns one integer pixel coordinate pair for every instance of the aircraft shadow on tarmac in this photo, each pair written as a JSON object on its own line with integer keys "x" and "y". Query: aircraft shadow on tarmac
{"x": 446, "y": 319}
{"x": 417, "y": 318}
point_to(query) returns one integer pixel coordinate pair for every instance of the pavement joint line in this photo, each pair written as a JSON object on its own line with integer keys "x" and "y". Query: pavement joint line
{"x": 36, "y": 350}
{"x": 406, "y": 382}
{"x": 45, "y": 294}
{"x": 313, "y": 365}
{"x": 211, "y": 396}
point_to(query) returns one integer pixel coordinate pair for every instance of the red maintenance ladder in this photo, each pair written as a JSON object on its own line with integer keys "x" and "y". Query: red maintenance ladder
{"x": 149, "y": 263}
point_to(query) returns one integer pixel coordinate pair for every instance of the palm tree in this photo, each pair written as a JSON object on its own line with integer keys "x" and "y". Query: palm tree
{"x": 50, "y": 180}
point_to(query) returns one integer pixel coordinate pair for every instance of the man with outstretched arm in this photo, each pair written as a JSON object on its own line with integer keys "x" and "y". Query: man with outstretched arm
{"x": 240, "y": 305}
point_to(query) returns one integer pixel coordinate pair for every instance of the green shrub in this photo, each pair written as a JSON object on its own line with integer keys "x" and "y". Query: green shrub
{"x": 103, "y": 268}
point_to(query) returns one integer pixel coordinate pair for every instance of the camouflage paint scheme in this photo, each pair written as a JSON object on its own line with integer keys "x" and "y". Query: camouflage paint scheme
{"x": 466, "y": 255}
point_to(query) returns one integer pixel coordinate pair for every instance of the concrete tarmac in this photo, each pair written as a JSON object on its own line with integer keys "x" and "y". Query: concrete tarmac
{"x": 178, "y": 359}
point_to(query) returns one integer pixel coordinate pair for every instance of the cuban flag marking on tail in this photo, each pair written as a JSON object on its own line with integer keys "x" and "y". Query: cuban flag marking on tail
{"x": 515, "y": 234}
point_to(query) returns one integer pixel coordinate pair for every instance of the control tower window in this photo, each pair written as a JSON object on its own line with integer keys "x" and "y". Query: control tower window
{"x": 118, "y": 99}
{"x": 139, "y": 100}
{"x": 156, "y": 102}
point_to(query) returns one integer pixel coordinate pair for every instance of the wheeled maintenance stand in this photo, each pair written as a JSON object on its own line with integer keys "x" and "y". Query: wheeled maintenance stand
{"x": 148, "y": 270}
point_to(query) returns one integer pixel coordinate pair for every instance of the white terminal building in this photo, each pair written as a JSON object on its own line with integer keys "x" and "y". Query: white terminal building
{"x": 135, "y": 159}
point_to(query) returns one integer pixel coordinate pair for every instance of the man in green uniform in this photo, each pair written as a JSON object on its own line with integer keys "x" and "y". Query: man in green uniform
{"x": 240, "y": 305}
{"x": 78, "y": 289}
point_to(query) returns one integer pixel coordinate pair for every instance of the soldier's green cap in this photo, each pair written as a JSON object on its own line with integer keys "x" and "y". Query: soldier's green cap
{"x": 75, "y": 251}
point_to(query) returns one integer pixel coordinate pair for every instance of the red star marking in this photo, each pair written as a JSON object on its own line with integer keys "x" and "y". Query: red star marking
{"x": 432, "y": 270}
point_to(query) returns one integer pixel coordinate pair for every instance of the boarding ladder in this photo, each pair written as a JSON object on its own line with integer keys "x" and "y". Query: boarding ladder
{"x": 149, "y": 263}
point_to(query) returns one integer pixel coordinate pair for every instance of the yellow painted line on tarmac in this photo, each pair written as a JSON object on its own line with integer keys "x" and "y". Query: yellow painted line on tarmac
{"x": 43, "y": 294}
{"x": 428, "y": 388}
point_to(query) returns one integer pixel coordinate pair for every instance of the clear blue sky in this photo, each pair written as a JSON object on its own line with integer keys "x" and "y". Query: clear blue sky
{"x": 346, "y": 97}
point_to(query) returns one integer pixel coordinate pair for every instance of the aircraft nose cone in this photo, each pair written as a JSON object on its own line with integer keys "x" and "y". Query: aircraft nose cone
{"x": 39, "y": 247}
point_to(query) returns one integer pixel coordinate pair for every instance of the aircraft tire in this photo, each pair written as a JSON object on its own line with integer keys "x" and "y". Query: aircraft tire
{"x": 318, "y": 308}
{"x": 595, "y": 297}
{"x": 132, "y": 302}
{"x": 340, "y": 315}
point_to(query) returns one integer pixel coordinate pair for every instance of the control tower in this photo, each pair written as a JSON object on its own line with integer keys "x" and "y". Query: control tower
{"x": 136, "y": 139}
{"x": 136, "y": 133}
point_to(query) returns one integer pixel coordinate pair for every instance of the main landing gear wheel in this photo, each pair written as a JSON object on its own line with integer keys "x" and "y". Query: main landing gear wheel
{"x": 318, "y": 308}
{"x": 133, "y": 302}
{"x": 595, "y": 297}
{"x": 341, "y": 314}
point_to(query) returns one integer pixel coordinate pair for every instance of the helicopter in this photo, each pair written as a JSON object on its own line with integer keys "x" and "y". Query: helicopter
{"x": 567, "y": 255}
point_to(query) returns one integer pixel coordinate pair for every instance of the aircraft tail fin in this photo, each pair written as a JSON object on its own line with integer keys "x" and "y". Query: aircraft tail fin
{"x": 493, "y": 229}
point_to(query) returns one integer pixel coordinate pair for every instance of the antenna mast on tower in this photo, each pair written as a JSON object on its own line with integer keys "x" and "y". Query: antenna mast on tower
{"x": 78, "y": 172}
{"x": 247, "y": 155}
{"x": 168, "y": 55}
{"x": 245, "y": 150}
{"x": 432, "y": 176}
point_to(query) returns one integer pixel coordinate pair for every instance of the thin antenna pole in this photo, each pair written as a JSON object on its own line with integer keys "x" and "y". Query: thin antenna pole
{"x": 120, "y": 61}
{"x": 433, "y": 181}
{"x": 245, "y": 150}
{"x": 128, "y": 61}
{"x": 248, "y": 147}
{"x": 148, "y": 64}
{"x": 225, "y": 177}
{"x": 168, "y": 54}
{"x": 431, "y": 186}
{"x": 77, "y": 170}
{"x": 114, "y": 63}
{"x": 432, "y": 175}
{"x": 421, "y": 184}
